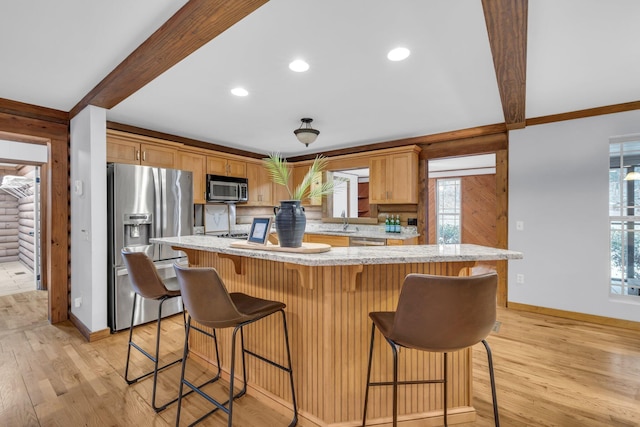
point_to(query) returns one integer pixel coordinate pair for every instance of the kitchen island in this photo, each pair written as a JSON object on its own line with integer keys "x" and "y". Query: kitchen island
{"x": 328, "y": 297}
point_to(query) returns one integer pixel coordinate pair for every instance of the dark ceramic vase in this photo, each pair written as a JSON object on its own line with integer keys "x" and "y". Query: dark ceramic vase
{"x": 290, "y": 223}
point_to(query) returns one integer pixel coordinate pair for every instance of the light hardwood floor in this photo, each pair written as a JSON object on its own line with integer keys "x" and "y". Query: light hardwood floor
{"x": 15, "y": 278}
{"x": 549, "y": 372}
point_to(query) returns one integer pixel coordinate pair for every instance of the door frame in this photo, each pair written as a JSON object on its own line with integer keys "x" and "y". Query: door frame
{"x": 54, "y": 185}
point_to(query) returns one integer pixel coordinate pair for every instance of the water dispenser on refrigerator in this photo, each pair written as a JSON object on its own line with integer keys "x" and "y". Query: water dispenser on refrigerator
{"x": 137, "y": 229}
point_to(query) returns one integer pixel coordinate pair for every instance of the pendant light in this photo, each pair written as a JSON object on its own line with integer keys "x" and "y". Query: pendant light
{"x": 305, "y": 133}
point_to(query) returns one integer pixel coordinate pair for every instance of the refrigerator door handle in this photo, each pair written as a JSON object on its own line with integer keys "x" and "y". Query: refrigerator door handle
{"x": 157, "y": 203}
{"x": 164, "y": 266}
{"x": 123, "y": 271}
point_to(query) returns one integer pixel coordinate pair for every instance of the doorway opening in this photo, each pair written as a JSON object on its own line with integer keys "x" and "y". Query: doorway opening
{"x": 20, "y": 269}
{"x": 463, "y": 200}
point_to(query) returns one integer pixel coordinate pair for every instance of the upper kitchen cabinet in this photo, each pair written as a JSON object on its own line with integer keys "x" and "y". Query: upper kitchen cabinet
{"x": 138, "y": 150}
{"x": 393, "y": 176}
{"x": 260, "y": 186}
{"x": 299, "y": 172}
{"x": 225, "y": 166}
{"x": 197, "y": 164}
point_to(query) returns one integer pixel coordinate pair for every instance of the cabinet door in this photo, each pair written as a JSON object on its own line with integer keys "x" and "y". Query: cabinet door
{"x": 280, "y": 192}
{"x": 155, "y": 155}
{"x": 403, "y": 178}
{"x": 259, "y": 185}
{"x": 216, "y": 165}
{"x": 402, "y": 242}
{"x": 226, "y": 167}
{"x": 336, "y": 241}
{"x": 378, "y": 190}
{"x": 393, "y": 179}
{"x": 237, "y": 168}
{"x": 299, "y": 172}
{"x": 119, "y": 151}
{"x": 196, "y": 163}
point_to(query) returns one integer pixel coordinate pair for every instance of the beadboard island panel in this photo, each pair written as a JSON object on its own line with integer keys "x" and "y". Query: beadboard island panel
{"x": 329, "y": 327}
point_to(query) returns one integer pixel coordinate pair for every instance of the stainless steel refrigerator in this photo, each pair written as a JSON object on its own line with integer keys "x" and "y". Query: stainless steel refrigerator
{"x": 144, "y": 202}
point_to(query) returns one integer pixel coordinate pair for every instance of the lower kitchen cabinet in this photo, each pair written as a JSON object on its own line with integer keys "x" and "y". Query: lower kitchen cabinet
{"x": 327, "y": 239}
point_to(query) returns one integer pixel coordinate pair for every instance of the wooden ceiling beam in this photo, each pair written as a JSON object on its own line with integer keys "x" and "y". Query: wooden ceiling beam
{"x": 507, "y": 28}
{"x": 191, "y": 27}
{"x": 581, "y": 114}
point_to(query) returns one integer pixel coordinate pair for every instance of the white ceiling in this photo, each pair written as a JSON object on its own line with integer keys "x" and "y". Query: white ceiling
{"x": 580, "y": 54}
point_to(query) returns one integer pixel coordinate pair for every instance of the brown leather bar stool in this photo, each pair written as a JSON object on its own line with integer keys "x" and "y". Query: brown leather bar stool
{"x": 146, "y": 283}
{"x": 210, "y": 304}
{"x": 437, "y": 314}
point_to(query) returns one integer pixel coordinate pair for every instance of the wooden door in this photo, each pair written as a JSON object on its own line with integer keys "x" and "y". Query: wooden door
{"x": 237, "y": 168}
{"x": 158, "y": 156}
{"x": 259, "y": 185}
{"x": 120, "y": 151}
{"x": 378, "y": 179}
{"x": 196, "y": 163}
{"x": 402, "y": 179}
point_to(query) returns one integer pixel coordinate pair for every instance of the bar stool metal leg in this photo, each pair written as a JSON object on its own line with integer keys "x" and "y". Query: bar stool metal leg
{"x": 394, "y": 351}
{"x": 494, "y": 397}
{"x": 444, "y": 386}
{"x": 191, "y": 386}
{"x": 294, "y": 421}
{"x": 154, "y": 358}
{"x": 227, "y": 406}
{"x": 366, "y": 391}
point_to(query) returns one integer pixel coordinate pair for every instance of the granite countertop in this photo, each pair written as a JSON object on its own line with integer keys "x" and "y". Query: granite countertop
{"x": 362, "y": 233}
{"x": 354, "y": 255}
{"x": 353, "y": 230}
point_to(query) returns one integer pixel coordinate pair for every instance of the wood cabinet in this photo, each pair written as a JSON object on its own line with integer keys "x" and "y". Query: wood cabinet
{"x": 345, "y": 240}
{"x": 401, "y": 242}
{"x": 336, "y": 241}
{"x": 226, "y": 167}
{"x": 280, "y": 191}
{"x": 260, "y": 185}
{"x": 197, "y": 164}
{"x": 299, "y": 172}
{"x": 120, "y": 150}
{"x": 393, "y": 177}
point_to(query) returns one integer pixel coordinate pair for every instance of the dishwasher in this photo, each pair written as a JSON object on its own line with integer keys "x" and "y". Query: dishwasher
{"x": 367, "y": 241}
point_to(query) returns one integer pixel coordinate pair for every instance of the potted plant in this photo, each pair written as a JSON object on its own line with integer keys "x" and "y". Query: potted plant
{"x": 290, "y": 216}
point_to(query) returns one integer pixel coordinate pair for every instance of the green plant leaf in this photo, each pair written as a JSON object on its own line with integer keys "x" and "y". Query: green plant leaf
{"x": 279, "y": 171}
{"x": 280, "y": 174}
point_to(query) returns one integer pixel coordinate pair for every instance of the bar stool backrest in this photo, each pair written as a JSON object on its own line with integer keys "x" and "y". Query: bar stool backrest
{"x": 206, "y": 297}
{"x": 444, "y": 313}
{"x": 143, "y": 275}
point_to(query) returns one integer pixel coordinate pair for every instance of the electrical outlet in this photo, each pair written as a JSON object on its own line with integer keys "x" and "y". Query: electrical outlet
{"x": 520, "y": 279}
{"x": 77, "y": 302}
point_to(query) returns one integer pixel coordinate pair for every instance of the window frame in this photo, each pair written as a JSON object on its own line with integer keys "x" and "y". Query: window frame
{"x": 624, "y": 225}
{"x": 456, "y": 213}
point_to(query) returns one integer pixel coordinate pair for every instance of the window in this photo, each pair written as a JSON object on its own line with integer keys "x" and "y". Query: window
{"x": 448, "y": 210}
{"x": 624, "y": 215}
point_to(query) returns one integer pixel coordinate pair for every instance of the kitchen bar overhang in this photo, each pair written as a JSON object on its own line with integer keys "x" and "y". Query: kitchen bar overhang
{"x": 329, "y": 296}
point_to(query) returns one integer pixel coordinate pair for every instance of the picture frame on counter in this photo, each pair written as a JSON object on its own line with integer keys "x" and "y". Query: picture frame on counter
{"x": 260, "y": 229}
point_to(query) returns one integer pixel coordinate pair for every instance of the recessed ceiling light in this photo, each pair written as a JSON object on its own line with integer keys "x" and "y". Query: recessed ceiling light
{"x": 239, "y": 91}
{"x": 299, "y": 66}
{"x": 398, "y": 54}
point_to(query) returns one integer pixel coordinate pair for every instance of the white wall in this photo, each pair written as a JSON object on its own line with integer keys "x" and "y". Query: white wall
{"x": 89, "y": 217}
{"x": 558, "y": 188}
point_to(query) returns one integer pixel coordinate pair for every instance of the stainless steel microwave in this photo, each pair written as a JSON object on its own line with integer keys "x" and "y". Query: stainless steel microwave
{"x": 226, "y": 189}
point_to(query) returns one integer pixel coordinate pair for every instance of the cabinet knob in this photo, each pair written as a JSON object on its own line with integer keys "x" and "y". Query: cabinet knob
{"x": 144, "y": 156}
{"x": 137, "y": 154}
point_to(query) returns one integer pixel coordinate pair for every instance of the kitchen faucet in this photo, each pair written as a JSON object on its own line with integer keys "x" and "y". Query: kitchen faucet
{"x": 345, "y": 221}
